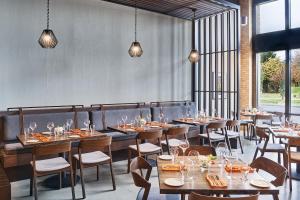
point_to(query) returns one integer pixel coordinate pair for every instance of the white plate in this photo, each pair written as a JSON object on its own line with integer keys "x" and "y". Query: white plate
{"x": 165, "y": 157}
{"x": 130, "y": 129}
{"x": 74, "y": 136}
{"x": 175, "y": 182}
{"x": 154, "y": 126}
{"x": 32, "y": 141}
{"x": 83, "y": 129}
{"x": 46, "y": 133}
{"x": 260, "y": 183}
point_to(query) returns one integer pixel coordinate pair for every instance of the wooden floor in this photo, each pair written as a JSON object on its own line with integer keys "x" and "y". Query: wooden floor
{"x": 125, "y": 187}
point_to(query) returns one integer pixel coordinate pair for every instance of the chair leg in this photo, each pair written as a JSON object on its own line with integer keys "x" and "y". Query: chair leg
{"x": 112, "y": 176}
{"x": 97, "y": 172}
{"x": 290, "y": 176}
{"x": 279, "y": 158}
{"x": 129, "y": 160}
{"x": 239, "y": 138}
{"x": 35, "y": 188}
{"x": 31, "y": 186}
{"x": 255, "y": 154}
{"x": 60, "y": 181}
{"x": 75, "y": 170}
{"x": 82, "y": 181}
{"x": 72, "y": 183}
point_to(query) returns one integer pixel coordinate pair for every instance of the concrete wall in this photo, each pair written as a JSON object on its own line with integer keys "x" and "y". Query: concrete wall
{"x": 91, "y": 62}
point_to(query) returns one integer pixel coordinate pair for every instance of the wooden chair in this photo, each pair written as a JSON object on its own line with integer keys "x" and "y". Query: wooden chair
{"x": 90, "y": 155}
{"x": 147, "y": 192}
{"x": 194, "y": 196}
{"x": 55, "y": 165}
{"x": 279, "y": 116}
{"x": 216, "y": 132}
{"x": 146, "y": 148}
{"x": 203, "y": 150}
{"x": 265, "y": 146}
{"x": 233, "y": 131}
{"x": 273, "y": 168}
{"x": 262, "y": 122}
{"x": 293, "y": 157}
{"x": 172, "y": 135}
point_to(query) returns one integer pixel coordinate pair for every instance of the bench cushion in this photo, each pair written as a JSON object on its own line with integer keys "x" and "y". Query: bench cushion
{"x": 15, "y": 148}
{"x": 118, "y": 136}
{"x": 97, "y": 119}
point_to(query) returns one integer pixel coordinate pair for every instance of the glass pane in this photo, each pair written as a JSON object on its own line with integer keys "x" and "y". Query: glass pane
{"x": 270, "y": 16}
{"x": 271, "y": 67}
{"x": 295, "y": 78}
{"x": 295, "y": 14}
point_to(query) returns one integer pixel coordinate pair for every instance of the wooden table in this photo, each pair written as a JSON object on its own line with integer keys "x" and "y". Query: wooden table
{"x": 196, "y": 122}
{"x": 52, "y": 139}
{"x": 199, "y": 183}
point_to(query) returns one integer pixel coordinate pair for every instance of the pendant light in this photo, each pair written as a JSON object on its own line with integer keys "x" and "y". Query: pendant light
{"x": 47, "y": 38}
{"x": 194, "y": 54}
{"x": 135, "y": 49}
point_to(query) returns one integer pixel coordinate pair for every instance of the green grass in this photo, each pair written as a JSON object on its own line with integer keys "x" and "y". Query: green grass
{"x": 276, "y": 99}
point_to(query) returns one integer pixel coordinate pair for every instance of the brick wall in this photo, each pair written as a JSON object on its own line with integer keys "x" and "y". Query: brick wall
{"x": 246, "y": 56}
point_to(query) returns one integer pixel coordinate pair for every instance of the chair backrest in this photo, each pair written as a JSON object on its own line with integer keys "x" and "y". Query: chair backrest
{"x": 177, "y": 131}
{"x": 137, "y": 165}
{"x": 294, "y": 142}
{"x": 95, "y": 144}
{"x": 194, "y": 196}
{"x": 233, "y": 125}
{"x": 203, "y": 150}
{"x": 216, "y": 125}
{"x": 279, "y": 115}
{"x": 150, "y": 135}
{"x": 261, "y": 133}
{"x": 52, "y": 149}
{"x": 263, "y": 117}
{"x": 273, "y": 168}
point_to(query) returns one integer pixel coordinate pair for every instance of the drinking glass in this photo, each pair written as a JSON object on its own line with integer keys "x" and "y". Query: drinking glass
{"x": 231, "y": 158}
{"x": 161, "y": 117}
{"x": 184, "y": 145}
{"x": 174, "y": 153}
{"x": 245, "y": 169}
{"x": 221, "y": 149}
{"x": 69, "y": 124}
{"x": 195, "y": 154}
{"x": 93, "y": 127}
{"x": 50, "y": 126}
{"x": 32, "y": 126}
{"x": 124, "y": 119}
{"x": 149, "y": 117}
{"x": 87, "y": 124}
{"x": 26, "y": 133}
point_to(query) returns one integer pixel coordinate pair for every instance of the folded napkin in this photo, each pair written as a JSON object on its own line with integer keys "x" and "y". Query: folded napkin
{"x": 41, "y": 137}
{"x": 75, "y": 130}
{"x": 216, "y": 181}
{"x": 237, "y": 168}
{"x": 171, "y": 167}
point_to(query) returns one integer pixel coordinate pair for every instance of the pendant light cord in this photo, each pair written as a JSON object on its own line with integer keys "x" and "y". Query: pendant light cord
{"x": 48, "y": 4}
{"x": 135, "y": 22}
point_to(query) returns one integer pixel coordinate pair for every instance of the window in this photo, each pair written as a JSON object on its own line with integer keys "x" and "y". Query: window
{"x": 270, "y": 16}
{"x": 295, "y": 79}
{"x": 271, "y": 86}
{"x": 295, "y": 14}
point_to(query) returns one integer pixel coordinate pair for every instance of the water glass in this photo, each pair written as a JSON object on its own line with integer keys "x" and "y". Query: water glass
{"x": 26, "y": 133}
{"x": 32, "y": 126}
{"x": 93, "y": 127}
{"x": 184, "y": 145}
{"x": 124, "y": 119}
{"x": 174, "y": 153}
{"x": 87, "y": 124}
{"x": 50, "y": 126}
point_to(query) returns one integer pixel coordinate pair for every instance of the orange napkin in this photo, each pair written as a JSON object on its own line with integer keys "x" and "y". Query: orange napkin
{"x": 237, "y": 168}
{"x": 41, "y": 137}
{"x": 171, "y": 167}
{"x": 75, "y": 130}
{"x": 215, "y": 181}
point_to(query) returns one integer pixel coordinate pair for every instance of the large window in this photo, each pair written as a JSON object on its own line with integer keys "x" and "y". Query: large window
{"x": 271, "y": 67}
{"x": 270, "y": 16}
{"x": 295, "y": 14}
{"x": 295, "y": 81}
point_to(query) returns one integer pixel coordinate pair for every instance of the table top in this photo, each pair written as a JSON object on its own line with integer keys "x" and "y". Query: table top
{"x": 200, "y": 184}
{"x": 253, "y": 114}
{"x": 281, "y": 132}
{"x": 148, "y": 127}
{"x": 197, "y": 122}
{"x": 47, "y": 139}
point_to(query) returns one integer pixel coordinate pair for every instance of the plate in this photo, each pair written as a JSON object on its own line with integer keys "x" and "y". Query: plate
{"x": 175, "y": 182}
{"x": 74, "y": 136}
{"x": 130, "y": 129}
{"x": 46, "y": 133}
{"x": 83, "y": 129}
{"x": 32, "y": 141}
{"x": 165, "y": 157}
{"x": 154, "y": 126}
{"x": 260, "y": 183}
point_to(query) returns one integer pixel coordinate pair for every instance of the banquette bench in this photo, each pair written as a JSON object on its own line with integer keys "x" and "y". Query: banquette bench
{"x": 14, "y": 120}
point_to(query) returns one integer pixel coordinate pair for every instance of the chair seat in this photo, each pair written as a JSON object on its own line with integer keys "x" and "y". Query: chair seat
{"x": 213, "y": 136}
{"x": 146, "y": 147}
{"x": 233, "y": 134}
{"x": 92, "y": 157}
{"x": 154, "y": 194}
{"x": 272, "y": 147}
{"x": 15, "y": 148}
{"x": 295, "y": 156}
{"x": 51, "y": 164}
{"x": 172, "y": 142}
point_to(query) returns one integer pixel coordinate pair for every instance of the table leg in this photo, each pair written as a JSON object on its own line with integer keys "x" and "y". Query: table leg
{"x": 275, "y": 197}
{"x": 182, "y": 196}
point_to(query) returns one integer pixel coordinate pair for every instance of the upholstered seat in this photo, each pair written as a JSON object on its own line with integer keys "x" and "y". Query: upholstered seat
{"x": 92, "y": 157}
{"x": 146, "y": 147}
{"x": 271, "y": 147}
{"x": 213, "y": 136}
{"x": 15, "y": 148}
{"x": 232, "y": 133}
{"x": 52, "y": 164}
{"x": 172, "y": 142}
{"x": 295, "y": 156}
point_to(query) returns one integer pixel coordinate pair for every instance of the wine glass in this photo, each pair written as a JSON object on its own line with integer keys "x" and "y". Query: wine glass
{"x": 50, "y": 126}
{"x": 231, "y": 158}
{"x": 174, "y": 153}
{"x": 87, "y": 124}
{"x": 161, "y": 117}
{"x": 149, "y": 117}
{"x": 245, "y": 169}
{"x": 195, "y": 154}
{"x": 32, "y": 126}
{"x": 221, "y": 149}
{"x": 124, "y": 119}
{"x": 184, "y": 145}
{"x": 69, "y": 124}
